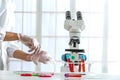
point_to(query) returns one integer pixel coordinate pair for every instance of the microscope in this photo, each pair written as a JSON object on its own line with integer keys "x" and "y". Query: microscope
{"x": 74, "y": 56}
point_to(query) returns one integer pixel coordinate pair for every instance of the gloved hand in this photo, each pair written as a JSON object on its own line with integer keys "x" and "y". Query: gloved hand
{"x": 40, "y": 56}
{"x": 30, "y": 42}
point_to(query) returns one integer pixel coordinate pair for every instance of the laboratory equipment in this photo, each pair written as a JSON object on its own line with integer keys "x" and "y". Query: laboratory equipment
{"x": 11, "y": 75}
{"x": 28, "y": 74}
{"x": 74, "y": 57}
{"x": 72, "y": 75}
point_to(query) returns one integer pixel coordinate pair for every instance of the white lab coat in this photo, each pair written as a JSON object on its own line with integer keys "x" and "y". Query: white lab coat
{"x": 7, "y": 22}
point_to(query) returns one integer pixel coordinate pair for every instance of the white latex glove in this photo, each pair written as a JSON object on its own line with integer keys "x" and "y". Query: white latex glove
{"x": 30, "y": 42}
{"x": 40, "y": 56}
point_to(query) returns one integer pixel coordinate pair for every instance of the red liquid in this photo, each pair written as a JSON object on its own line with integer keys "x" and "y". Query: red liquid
{"x": 72, "y": 75}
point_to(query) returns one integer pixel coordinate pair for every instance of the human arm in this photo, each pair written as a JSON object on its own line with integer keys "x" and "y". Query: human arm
{"x": 40, "y": 57}
{"x": 19, "y": 54}
{"x": 36, "y": 57}
{"x": 30, "y": 42}
{"x": 10, "y": 36}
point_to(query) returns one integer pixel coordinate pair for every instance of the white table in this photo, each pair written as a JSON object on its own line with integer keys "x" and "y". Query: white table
{"x": 8, "y": 75}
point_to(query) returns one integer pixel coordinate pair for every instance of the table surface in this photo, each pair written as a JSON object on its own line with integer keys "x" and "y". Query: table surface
{"x": 8, "y": 75}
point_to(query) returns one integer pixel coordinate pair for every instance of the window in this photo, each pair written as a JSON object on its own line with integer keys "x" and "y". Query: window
{"x": 44, "y": 19}
{"x": 25, "y": 14}
{"x": 55, "y": 38}
{"x": 113, "y": 37}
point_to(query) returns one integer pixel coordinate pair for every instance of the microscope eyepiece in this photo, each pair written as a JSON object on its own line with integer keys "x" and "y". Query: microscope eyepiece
{"x": 79, "y": 15}
{"x": 68, "y": 15}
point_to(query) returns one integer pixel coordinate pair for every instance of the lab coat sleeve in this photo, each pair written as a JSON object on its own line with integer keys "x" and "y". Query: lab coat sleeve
{"x": 7, "y": 17}
{"x": 2, "y": 34}
{"x": 12, "y": 47}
